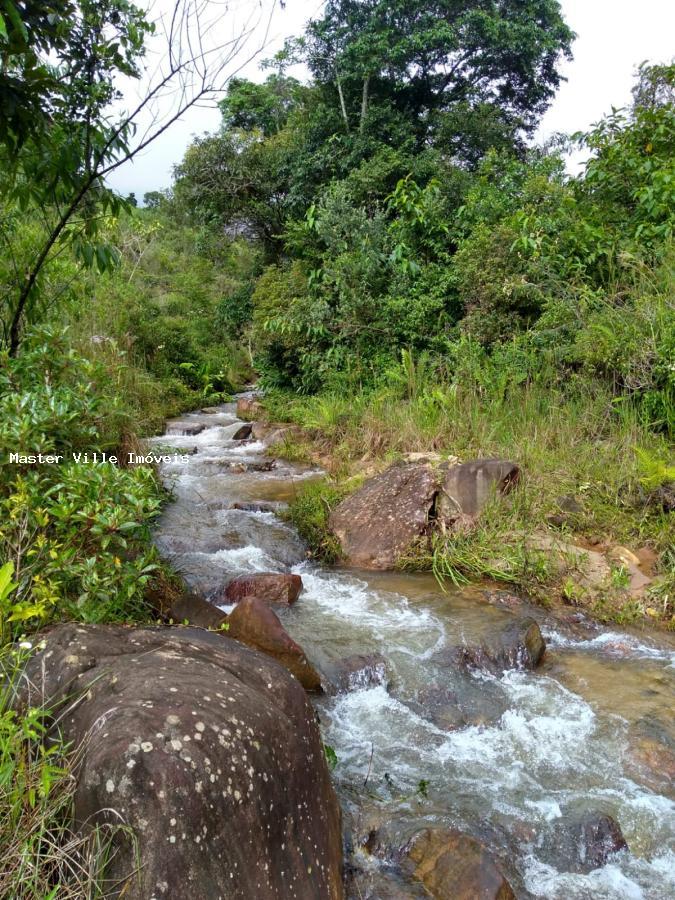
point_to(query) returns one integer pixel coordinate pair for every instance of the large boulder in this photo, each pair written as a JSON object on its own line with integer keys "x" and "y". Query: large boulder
{"x": 468, "y": 487}
{"x": 454, "y": 866}
{"x": 267, "y": 586}
{"x": 248, "y": 408}
{"x": 253, "y": 623}
{"x": 519, "y": 645}
{"x": 209, "y": 751}
{"x": 380, "y": 521}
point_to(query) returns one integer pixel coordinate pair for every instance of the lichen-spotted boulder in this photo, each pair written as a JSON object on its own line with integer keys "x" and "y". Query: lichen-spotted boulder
{"x": 208, "y": 750}
{"x": 380, "y": 521}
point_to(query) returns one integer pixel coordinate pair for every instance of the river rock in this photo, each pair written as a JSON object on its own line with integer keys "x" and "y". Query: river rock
{"x": 380, "y": 521}
{"x": 273, "y": 506}
{"x": 266, "y": 586}
{"x": 194, "y": 610}
{"x": 583, "y": 841}
{"x": 454, "y": 866}
{"x": 243, "y": 432}
{"x": 185, "y": 428}
{"x": 248, "y": 408}
{"x": 358, "y": 672}
{"x": 209, "y": 751}
{"x": 253, "y": 623}
{"x": 466, "y": 488}
{"x": 520, "y": 645}
{"x": 651, "y": 755}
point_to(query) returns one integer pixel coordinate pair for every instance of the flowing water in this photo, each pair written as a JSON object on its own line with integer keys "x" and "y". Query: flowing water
{"x": 504, "y": 758}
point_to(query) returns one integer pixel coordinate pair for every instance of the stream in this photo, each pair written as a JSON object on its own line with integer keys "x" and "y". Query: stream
{"x": 531, "y": 746}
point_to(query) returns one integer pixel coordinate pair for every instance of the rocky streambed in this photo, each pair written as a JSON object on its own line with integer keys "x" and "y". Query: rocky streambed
{"x": 470, "y": 763}
{"x": 480, "y": 747}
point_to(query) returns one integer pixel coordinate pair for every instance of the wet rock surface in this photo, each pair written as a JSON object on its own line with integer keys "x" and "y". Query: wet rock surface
{"x": 253, "y": 623}
{"x": 243, "y": 433}
{"x": 358, "y": 672}
{"x": 268, "y": 587}
{"x": 519, "y": 645}
{"x": 208, "y": 750}
{"x": 455, "y": 866}
{"x": 584, "y": 841}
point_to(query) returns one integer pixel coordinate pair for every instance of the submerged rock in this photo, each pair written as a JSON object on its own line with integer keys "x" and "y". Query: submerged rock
{"x": 185, "y": 428}
{"x": 209, "y": 751}
{"x": 520, "y": 645}
{"x": 380, "y": 521}
{"x": 583, "y": 841}
{"x": 253, "y": 623}
{"x": 454, "y": 866}
{"x": 266, "y": 586}
{"x": 358, "y": 672}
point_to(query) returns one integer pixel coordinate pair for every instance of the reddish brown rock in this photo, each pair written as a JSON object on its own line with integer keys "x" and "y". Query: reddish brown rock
{"x": 380, "y": 521}
{"x": 248, "y": 408}
{"x": 454, "y": 866}
{"x": 253, "y": 623}
{"x": 207, "y": 750}
{"x": 269, "y": 587}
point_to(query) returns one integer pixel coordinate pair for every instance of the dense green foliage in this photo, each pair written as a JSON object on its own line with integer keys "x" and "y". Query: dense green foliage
{"x": 385, "y": 248}
{"x": 394, "y": 213}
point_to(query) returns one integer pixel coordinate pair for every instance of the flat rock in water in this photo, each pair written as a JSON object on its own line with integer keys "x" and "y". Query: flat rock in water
{"x": 253, "y": 623}
{"x": 269, "y": 587}
{"x": 380, "y": 521}
{"x": 454, "y": 866}
{"x": 209, "y": 751}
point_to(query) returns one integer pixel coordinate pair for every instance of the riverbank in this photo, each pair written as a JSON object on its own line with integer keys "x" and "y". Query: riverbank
{"x": 594, "y": 486}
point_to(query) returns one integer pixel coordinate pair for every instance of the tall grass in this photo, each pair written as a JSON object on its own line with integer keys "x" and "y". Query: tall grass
{"x": 42, "y": 855}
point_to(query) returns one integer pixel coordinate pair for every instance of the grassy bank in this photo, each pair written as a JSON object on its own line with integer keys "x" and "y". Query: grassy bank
{"x": 591, "y": 476}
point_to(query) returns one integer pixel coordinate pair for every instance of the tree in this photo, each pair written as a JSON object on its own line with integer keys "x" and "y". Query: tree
{"x": 427, "y": 57}
{"x": 263, "y": 107}
{"x": 68, "y": 67}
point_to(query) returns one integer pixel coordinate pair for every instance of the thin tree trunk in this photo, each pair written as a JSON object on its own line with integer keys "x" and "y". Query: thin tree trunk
{"x": 364, "y": 103}
{"x": 343, "y": 106}
{"x": 29, "y": 284}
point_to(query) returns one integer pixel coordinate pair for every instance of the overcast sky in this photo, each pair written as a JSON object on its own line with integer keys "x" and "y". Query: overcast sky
{"x": 613, "y": 38}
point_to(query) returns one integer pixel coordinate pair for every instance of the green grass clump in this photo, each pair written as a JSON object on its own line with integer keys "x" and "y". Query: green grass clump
{"x": 309, "y": 513}
{"x": 43, "y": 856}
